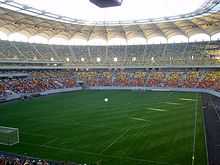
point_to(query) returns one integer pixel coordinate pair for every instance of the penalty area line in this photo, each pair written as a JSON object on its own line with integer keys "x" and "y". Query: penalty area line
{"x": 98, "y": 154}
{"x": 49, "y": 142}
{"x": 115, "y": 141}
{"x": 140, "y": 119}
{"x": 172, "y": 103}
{"x": 157, "y": 109}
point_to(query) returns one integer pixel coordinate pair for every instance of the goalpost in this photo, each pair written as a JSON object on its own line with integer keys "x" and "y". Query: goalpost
{"x": 9, "y": 136}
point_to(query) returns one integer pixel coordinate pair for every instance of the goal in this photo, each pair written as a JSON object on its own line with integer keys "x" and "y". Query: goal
{"x": 9, "y": 136}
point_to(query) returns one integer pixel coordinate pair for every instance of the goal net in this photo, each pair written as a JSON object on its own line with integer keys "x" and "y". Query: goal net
{"x": 9, "y": 136}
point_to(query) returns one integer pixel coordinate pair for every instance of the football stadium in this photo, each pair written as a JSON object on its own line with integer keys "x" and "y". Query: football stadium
{"x": 110, "y": 82}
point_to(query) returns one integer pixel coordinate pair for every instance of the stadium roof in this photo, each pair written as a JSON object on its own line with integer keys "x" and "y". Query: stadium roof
{"x": 130, "y": 10}
{"x": 19, "y": 18}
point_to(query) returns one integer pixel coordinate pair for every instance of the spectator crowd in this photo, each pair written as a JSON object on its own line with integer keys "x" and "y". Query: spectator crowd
{"x": 209, "y": 79}
{"x": 40, "y": 81}
{"x": 35, "y": 82}
{"x": 13, "y": 159}
{"x": 6, "y": 159}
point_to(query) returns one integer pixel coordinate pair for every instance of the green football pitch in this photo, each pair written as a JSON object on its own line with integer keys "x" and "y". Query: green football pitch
{"x": 132, "y": 128}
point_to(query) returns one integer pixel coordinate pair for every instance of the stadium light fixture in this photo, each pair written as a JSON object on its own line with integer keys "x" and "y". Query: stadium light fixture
{"x": 192, "y": 57}
{"x": 82, "y": 59}
{"x": 133, "y": 59}
{"x": 152, "y": 59}
{"x": 67, "y": 59}
{"x": 51, "y": 59}
{"x": 217, "y": 57}
{"x": 115, "y": 59}
{"x": 98, "y": 59}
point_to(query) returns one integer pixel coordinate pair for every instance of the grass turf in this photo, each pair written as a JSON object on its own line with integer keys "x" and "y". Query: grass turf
{"x": 132, "y": 128}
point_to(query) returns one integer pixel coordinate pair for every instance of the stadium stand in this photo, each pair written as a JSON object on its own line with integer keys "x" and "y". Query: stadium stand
{"x": 42, "y": 80}
{"x": 28, "y": 68}
{"x": 37, "y": 81}
{"x": 180, "y": 54}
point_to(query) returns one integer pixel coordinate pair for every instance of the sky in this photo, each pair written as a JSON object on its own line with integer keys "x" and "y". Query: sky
{"x": 130, "y": 9}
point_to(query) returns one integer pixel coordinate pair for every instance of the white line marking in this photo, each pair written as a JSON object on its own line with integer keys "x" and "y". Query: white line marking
{"x": 205, "y": 133}
{"x": 156, "y": 109}
{"x": 98, "y": 154}
{"x": 115, "y": 141}
{"x": 50, "y": 141}
{"x": 194, "y": 131}
{"x": 171, "y": 103}
{"x": 35, "y": 134}
{"x": 139, "y": 119}
{"x": 186, "y": 99}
